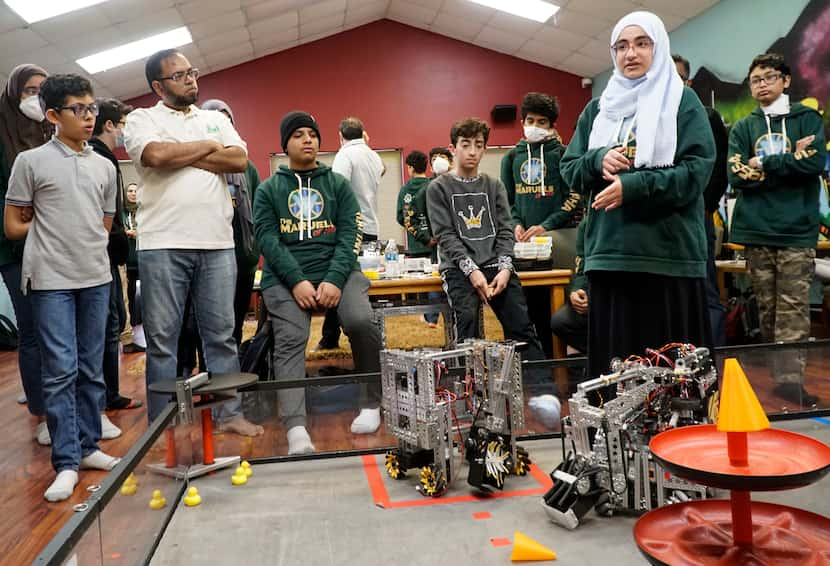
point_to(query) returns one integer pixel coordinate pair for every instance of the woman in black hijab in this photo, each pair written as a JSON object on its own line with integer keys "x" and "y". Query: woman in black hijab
{"x": 22, "y": 126}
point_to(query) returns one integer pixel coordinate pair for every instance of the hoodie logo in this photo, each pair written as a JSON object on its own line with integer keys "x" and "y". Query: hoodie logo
{"x": 772, "y": 145}
{"x": 305, "y": 206}
{"x": 531, "y": 171}
{"x": 474, "y": 221}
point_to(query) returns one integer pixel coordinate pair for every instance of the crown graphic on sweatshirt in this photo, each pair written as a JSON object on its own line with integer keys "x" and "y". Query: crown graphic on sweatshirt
{"x": 474, "y": 221}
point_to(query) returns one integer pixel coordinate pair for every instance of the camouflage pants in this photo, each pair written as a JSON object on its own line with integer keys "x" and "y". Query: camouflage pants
{"x": 781, "y": 279}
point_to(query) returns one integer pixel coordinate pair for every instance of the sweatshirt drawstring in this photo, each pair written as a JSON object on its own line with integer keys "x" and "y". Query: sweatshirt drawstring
{"x": 783, "y": 132}
{"x": 541, "y": 160}
{"x": 304, "y": 201}
{"x": 300, "y": 187}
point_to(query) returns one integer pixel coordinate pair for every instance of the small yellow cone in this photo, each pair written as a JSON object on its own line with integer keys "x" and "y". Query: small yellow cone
{"x": 740, "y": 410}
{"x": 526, "y": 549}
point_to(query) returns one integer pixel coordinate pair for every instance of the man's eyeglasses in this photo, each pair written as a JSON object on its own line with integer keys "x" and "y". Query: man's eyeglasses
{"x": 641, "y": 44}
{"x": 179, "y": 76}
{"x": 80, "y": 110}
{"x": 767, "y": 79}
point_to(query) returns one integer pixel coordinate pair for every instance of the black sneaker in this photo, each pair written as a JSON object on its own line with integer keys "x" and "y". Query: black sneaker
{"x": 321, "y": 346}
{"x": 795, "y": 393}
{"x": 133, "y": 348}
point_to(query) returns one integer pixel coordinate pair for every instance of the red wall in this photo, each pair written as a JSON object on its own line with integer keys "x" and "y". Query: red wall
{"x": 407, "y": 85}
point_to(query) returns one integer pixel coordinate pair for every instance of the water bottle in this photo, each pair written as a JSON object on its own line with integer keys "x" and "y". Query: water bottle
{"x": 391, "y": 257}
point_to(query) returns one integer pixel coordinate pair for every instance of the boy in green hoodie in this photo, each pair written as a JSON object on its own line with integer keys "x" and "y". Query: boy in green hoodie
{"x": 541, "y": 202}
{"x": 776, "y": 155}
{"x": 308, "y": 225}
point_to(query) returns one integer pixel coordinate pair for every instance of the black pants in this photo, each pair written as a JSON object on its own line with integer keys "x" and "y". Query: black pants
{"x": 630, "y": 312}
{"x": 133, "y": 297}
{"x": 116, "y": 319}
{"x": 571, "y": 327}
{"x": 242, "y": 299}
{"x": 330, "y": 334}
{"x": 538, "y": 309}
{"x": 717, "y": 312}
{"x": 511, "y": 310}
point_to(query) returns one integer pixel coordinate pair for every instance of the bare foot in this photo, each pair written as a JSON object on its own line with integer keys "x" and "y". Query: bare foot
{"x": 241, "y": 426}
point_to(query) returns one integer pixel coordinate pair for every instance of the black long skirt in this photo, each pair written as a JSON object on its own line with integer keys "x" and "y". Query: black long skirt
{"x": 629, "y": 312}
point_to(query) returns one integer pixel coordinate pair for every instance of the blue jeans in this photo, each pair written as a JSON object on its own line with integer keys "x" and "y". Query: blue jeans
{"x": 70, "y": 327}
{"x": 167, "y": 276}
{"x": 28, "y": 352}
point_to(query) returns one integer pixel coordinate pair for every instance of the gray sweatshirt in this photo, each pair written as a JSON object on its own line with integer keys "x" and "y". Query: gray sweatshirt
{"x": 471, "y": 220}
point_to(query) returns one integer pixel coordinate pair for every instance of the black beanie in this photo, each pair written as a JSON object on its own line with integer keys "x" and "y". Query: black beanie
{"x": 293, "y": 121}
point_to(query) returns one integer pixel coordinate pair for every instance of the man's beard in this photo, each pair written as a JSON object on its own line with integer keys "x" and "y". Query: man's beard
{"x": 180, "y": 101}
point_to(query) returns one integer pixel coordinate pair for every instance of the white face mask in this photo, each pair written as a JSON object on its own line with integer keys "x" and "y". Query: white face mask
{"x": 30, "y": 107}
{"x": 535, "y": 134}
{"x": 440, "y": 165}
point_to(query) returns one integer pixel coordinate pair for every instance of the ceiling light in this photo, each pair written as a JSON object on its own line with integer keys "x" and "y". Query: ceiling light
{"x": 136, "y": 50}
{"x": 537, "y": 10}
{"x": 36, "y": 10}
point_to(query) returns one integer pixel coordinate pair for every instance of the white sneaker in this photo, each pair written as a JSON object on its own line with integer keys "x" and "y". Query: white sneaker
{"x": 547, "y": 408}
{"x": 21, "y": 399}
{"x": 108, "y": 430}
{"x": 367, "y": 422}
{"x": 138, "y": 336}
{"x": 298, "y": 441}
{"x": 42, "y": 434}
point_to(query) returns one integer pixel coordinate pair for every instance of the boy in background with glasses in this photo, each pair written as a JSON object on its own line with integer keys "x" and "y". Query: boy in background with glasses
{"x": 62, "y": 195}
{"x": 776, "y": 155}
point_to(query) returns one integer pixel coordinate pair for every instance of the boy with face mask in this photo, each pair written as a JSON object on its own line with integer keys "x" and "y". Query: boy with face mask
{"x": 530, "y": 173}
{"x": 541, "y": 202}
{"x": 775, "y": 156}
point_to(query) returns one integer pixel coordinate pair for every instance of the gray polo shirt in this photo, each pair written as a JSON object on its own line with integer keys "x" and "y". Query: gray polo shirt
{"x": 71, "y": 192}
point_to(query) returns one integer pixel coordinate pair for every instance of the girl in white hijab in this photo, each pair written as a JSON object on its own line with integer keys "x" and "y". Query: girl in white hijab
{"x": 642, "y": 154}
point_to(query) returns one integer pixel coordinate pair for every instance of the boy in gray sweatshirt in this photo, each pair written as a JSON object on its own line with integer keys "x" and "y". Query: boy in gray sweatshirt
{"x": 470, "y": 217}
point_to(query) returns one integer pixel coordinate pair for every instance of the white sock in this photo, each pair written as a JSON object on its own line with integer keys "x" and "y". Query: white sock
{"x": 547, "y": 408}
{"x": 42, "y": 434}
{"x": 22, "y": 399}
{"x": 99, "y": 461}
{"x": 62, "y": 487}
{"x": 298, "y": 441}
{"x": 108, "y": 430}
{"x": 138, "y": 336}
{"x": 367, "y": 422}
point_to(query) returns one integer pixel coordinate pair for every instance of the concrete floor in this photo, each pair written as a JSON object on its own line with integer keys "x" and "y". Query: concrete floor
{"x": 322, "y": 513}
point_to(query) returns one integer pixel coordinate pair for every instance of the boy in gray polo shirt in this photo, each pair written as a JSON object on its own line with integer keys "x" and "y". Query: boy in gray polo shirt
{"x": 62, "y": 194}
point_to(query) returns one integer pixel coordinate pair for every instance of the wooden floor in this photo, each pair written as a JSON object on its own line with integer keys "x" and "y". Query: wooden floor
{"x": 28, "y": 522}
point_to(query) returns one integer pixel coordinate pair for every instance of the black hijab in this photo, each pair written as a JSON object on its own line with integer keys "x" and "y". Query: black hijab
{"x": 18, "y": 132}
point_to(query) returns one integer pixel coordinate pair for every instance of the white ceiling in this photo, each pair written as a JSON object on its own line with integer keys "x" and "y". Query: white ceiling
{"x": 230, "y": 32}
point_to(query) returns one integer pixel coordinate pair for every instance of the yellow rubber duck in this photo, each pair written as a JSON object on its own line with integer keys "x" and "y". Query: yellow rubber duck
{"x": 192, "y": 499}
{"x": 239, "y": 477}
{"x": 158, "y": 501}
{"x": 130, "y": 485}
{"x": 247, "y": 467}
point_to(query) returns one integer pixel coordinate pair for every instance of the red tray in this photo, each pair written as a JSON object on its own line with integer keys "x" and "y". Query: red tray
{"x": 699, "y": 533}
{"x": 778, "y": 459}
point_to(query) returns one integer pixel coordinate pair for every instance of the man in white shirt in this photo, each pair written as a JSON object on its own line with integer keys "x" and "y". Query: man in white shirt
{"x": 185, "y": 238}
{"x": 362, "y": 166}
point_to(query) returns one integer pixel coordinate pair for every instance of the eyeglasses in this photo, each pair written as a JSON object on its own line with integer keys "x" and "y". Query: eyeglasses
{"x": 642, "y": 44}
{"x": 80, "y": 110}
{"x": 767, "y": 79}
{"x": 179, "y": 76}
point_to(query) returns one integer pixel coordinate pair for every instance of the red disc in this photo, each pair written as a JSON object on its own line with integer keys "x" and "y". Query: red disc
{"x": 699, "y": 533}
{"x": 778, "y": 459}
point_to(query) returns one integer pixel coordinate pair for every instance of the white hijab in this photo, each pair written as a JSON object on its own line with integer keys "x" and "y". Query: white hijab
{"x": 653, "y": 99}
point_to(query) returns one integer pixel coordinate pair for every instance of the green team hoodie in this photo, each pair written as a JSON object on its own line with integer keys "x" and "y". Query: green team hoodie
{"x": 412, "y": 216}
{"x": 308, "y": 226}
{"x": 778, "y": 205}
{"x": 550, "y": 204}
{"x": 659, "y": 227}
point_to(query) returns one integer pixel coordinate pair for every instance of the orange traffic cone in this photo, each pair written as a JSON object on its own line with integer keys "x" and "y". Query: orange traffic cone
{"x": 740, "y": 410}
{"x": 525, "y": 549}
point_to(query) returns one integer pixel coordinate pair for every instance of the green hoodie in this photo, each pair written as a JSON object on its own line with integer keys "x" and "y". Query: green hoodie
{"x": 318, "y": 241}
{"x": 659, "y": 227}
{"x": 778, "y": 205}
{"x": 412, "y": 216}
{"x": 551, "y": 205}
